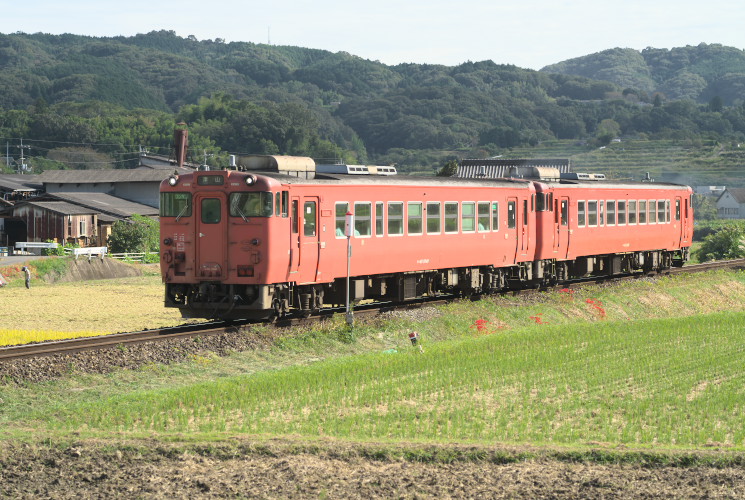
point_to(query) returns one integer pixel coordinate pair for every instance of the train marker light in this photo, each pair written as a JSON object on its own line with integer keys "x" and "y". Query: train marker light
{"x": 250, "y": 180}
{"x": 173, "y": 180}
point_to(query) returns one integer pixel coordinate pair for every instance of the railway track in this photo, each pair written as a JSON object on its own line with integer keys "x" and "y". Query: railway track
{"x": 218, "y": 327}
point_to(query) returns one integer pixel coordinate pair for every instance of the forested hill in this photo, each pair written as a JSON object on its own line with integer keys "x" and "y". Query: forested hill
{"x": 699, "y": 73}
{"x": 65, "y": 92}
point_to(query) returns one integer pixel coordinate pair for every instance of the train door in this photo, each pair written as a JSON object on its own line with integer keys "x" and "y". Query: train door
{"x": 512, "y": 222}
{"x": 523, "y": 222}
{"x": 309, "y": 239}
{"x": 294, "y": 237}
{"x": 211, "y": 257}
{"x": 561, "y": 227}
{"x": 681, "y": 206}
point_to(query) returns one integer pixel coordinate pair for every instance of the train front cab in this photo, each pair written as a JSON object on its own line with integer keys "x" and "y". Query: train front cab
{"x": 215, "y": 233}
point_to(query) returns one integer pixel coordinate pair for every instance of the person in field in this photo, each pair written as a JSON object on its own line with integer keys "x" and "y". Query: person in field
{"x": 27, "y": 273}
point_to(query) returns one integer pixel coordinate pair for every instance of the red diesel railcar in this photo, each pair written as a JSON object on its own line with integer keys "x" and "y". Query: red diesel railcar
{"x": 268, "y": 239}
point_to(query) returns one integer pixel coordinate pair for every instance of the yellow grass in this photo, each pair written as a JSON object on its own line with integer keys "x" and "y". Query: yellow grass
{"x": 84, "y": 308}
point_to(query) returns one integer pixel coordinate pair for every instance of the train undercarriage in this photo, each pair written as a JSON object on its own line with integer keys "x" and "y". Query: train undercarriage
{"x": 263, "y": 302}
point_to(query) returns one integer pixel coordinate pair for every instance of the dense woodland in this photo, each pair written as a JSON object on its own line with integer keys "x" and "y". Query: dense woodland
{"x": 86, "y": 102}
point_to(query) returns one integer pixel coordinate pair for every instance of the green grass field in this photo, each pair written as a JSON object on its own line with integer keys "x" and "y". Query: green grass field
{"x": 650, "y": 364}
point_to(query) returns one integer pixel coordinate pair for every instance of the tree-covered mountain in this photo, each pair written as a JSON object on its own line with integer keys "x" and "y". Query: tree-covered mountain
{"x": 111, "y": 95}
{"x": 699, "y": 73}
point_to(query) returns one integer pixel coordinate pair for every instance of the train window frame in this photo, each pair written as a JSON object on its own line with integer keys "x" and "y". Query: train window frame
{"x": 171, "y": 204}
{"x": 621, "y": 212}
{"x": 468, "y": 217}
{"x": 484, "y": 216}
{"x": 217, "y": 218}
{"x": 564, "y": 207}
{"x": 652, "y": 211}
{"x": 414, "y": 220}
{"x": 295, "y": 220}
{"x": 581, "y": 213}
{"x": 601, "y": 213}
{"x": 434, "y": 222}
{"x": 632, "y": 212}
{"x": 677, "y": 208}
{"x": 526, "y": 218}
{"x": 362, "y": 224}
{"x": 661, "y": 217}
{"x": 592, "y": 213}
{"x": 264, "y": 205}
{"x": 313, "y": 225}
{"x": 285, "y": 204}
{"x": 395, "y": 219}
{"x": 641, "y": 211}
{"x": 450, "y": 217}
{"x": 379, "y": 219}
{"x": 494, "y": 209}
{"x": 610, "y": 212}
{"x": 511, "y": 214}
{"x": 340, "y": 220}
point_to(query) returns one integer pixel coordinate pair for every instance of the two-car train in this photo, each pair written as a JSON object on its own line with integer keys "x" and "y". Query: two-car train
{"x": 267, "y": 238}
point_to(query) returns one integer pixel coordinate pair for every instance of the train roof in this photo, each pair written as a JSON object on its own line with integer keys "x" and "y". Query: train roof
{"x": 397, "y": 180}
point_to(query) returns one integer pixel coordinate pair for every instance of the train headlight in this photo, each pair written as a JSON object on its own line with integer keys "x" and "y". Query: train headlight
{"x": 250, "y": 179}
{"x": 173, "y": 180}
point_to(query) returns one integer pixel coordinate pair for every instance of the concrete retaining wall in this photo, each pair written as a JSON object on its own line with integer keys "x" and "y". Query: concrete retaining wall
{"x": 96, "y": 269}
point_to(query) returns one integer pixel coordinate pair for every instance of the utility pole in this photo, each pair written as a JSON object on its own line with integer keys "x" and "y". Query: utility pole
{"x": 23, "y": 164}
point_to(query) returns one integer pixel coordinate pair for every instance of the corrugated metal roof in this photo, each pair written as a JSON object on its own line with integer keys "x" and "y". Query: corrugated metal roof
{"x": 103, "y": 176}
{"x": 14, "y": 182}
{"x": 62, "y": 207}
{"x": 493, "y": 168}
{"x": 105, "y": 203}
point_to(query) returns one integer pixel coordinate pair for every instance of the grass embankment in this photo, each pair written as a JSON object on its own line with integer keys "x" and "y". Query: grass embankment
{"x": 652, "y": 365}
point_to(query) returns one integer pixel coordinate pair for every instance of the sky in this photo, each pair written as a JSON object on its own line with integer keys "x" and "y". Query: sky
{"x": 527, "y": 33}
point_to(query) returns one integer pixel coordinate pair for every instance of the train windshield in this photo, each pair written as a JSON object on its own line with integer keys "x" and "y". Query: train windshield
{"x": 175, "y": 205}
{"x": 254, "y": 204}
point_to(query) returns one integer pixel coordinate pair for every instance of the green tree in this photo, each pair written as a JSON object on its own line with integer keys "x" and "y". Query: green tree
{"x": 705, "y": 207}
{"x": 726, "y": 243}
{"x": 138, "y": 234}
{"x": 449, "y": 169}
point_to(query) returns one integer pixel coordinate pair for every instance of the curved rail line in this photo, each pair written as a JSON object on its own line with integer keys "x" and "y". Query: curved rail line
{"x": 218, "y": 327}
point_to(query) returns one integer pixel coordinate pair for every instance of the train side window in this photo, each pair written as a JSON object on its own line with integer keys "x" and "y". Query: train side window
{"x": 661, "y": 217}
{"x": 495, "y": 216}
{"x": 362, "y": 219}
{"x": 433, "y": 217}
{"x": 211, "y": 208}
{"x": 414, "y": 217}
{"x": 285, "y": 203}
{"x": 642, "y": 212}
{"x": 653, "y": 211}
{"x": 451, "y": 216}
{"x": 540, "y": 202}
{"x": 592, "y": 213}
{"x": 309, "y": 218}
{"x": 484, "y": 214}
{"x": 601, "y": 214}
{"x": 525, "y": 212}
{"x": 379, "y": 229}
{"x": 511, "y": 215}
{"x": 677, "y": 209}
{"x": 564, "y": 212}
{"x": 395, "y": 218}
{"x": 278, "y": 205}
{"x": 581, "y": 220}
{"x": 621, "y": 213}
{"x": 295, "y": 220}
{"x": 468, "y": 216}
{"x": 340, "y": 219}
{"x": 610, "y": 213}
{"x": 632, "y": 212}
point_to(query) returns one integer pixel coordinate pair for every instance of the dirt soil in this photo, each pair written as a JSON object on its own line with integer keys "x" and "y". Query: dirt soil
{"x": 101, "y": 471}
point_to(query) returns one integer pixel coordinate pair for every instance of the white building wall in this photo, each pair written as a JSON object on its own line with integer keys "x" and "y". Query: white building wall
{"x": 729, "y": 208}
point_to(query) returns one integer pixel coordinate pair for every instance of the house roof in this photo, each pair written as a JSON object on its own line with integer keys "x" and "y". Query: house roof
{"x": 62, "y": 207}
{"x": 737, "y": 193}
{"x": 104, "y": 176}
{"x": 14, "y": 182}
{"x": 106, "y": 204}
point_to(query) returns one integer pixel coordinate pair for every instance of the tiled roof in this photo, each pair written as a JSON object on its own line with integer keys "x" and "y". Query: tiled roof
{"x": 737, "y": 193}
{"x": 13, "y": 182}
{"x": 62, "y": 207}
